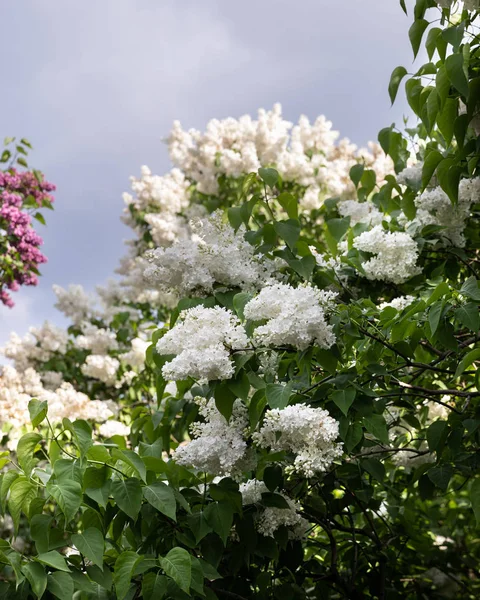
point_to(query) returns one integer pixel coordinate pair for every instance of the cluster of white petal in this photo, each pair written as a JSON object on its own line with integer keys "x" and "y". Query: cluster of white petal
{"x": 102, "y": 367}
{"x": 201, "y": 340}
{"x": 74, "y": 302}
{"x": 113, "y": 427}
{"x": 168, "y": 193}
{"x": 396, "y": 254}
{"x": 214, "y": 254}
{"x": 39, "y": 345}
{"x": 219, "y": 446}
{"x": 295, "y": 316}
{"x": 306, "y": 153}
{"x": 269, "y": 519}
{"x": 411, "y": 176}
{"x": 308, "y": 432}
{"x": 96, "y": 339}
{"x": 435, "y": 208}
{"x": 360, "y": 212}
{"x": 399, "y": 303}
{"x": 135, "y": 357}
{"x": 18, "y": 388}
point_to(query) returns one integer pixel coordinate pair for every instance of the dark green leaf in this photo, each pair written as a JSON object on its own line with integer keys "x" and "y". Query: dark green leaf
{"x": 127, "y": 493}
{"x": 395, "y": 79}
{"x": 124, "y": 567}
{"x": 161, "y": 497}
{"x": 177, "y": 564}
{"x": 415, "y": 33}
{"x": 91, "y": 544}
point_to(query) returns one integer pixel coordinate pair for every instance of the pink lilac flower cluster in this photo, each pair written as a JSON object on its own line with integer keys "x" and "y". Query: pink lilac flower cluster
{"x": 19, "y": 243}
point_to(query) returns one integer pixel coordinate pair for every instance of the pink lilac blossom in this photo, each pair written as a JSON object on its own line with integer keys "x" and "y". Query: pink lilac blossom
{"x": 19, "y": 243}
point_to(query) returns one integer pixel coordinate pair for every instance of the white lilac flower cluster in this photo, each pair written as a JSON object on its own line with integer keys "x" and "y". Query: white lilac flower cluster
{"x": 214, "y": 254}
{"x": 219, "y": 446}
{"x": 308, "y": 432}
{"x": 202, "y": 339}
{"x": 435, "y": 208}
{"x": 306, "y": 153}
{"x": 399, "y": 303}
{"x": 101, "y": 367}
{"x": 295, "y": 316}
{"x": 113, "y": 427}
{"x": 269, "y": 519}
{"x": 74, "y": 302}
{"x": 360, "y": 212}
{"x": 411, "y": 176}
{"x": 39, "y": 345}
{"x": 396, "y": 254}
{"x": 96, "y": 339}
{"x": 18, "y": 388}
{"x": 135, "y": 357}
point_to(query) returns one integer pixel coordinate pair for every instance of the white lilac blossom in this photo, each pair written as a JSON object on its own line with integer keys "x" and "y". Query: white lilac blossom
{"x": 135, "y": 357}
{"x": 411, "y": 176}
{"x": 39, "y": 345}
{"x": 399, "y": 303}
{"x": 215, "y": 254}
{"x": 396, "y": 254}
{"x": 113, "y": 427}
{"x": 435, "y": 208}
{"x": 167, "y": 193}
{"x": 18, "y": 388}
{"x": 101, "y": 367}
{"x": 269, "y": 519}
{"x": 295, "y": 316}
{"x": 96, "y": 339}
{"x": 308, "y": 432}
{"x": 219, "y": 447}
{"x": 306, "y": 153}
{"x": 360, "y": 212}
{"x": 74, "y": 303}
{"x": 202, "y": 339}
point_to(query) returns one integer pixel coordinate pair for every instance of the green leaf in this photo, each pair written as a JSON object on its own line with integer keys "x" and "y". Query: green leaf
{"x": 395, "y": 80}
{"x": 437, "y": 435}
{"x": 133, "y": 460}
{"x": 434, "y": 315}
{"x": 440, "y": 476}
{"x": 36, "y": 576}
{"x": 338, "y": 227}
{"x": 161, "y": 497}
{"x": 278, "y": 395}
{"x": 430, "y": 164}
{"x": 68, "y": 495}
{"x": 269, "y": 176}
{"x": 431, "y": 43}
{"x": 376, "y": 425}
{"x": 38, "y": 411}
{"x": 40, "y": 531}
{"x": 273, "y": 476}
{"x": 154, "y": 586}
{"x": 374, "y": 467}
{"x": 239, "y": 302}
{"x": 235, "y": 216}
{"x": 26, "y": 450}
{"x": 475, "y": 499}
{"x": 82, "y": 431}
{"x": 442, "y": 85}
{"x": 219, "y": 515}
{"x": 415, "y": 33}
{"x": 22, "y": 492}
{"x": 289, "y": 203}
{"x": 60, "y": 585}
{"x": 53, "y": 559}
{"x": 344, "y": 399}
{"x": 123, "y": 571}
{"x": 289, "y": 231}
{"x": 468, "y": 316}
{"x": 446, "y": 119}
{"x": 127, "y": 493}
{"x": 356, "y": 171}
{"x": 177, "y": 564}
{"x": 91, "y": 544}
{"x": 467, "y": 360}
{"x": 454, "y": 67}
{"x": 470, "y": 288}
{"x": 353, "y": 436}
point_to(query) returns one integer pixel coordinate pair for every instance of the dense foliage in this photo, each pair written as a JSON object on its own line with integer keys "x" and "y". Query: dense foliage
{"x": 22, "y": 194}
{"x": 280, "y": 397}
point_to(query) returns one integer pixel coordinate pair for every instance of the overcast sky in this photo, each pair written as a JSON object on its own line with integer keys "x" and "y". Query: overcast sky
{"x": 96, "y": 85}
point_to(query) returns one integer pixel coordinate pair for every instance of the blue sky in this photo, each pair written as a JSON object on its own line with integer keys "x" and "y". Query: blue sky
{"x": 96, "y": 85}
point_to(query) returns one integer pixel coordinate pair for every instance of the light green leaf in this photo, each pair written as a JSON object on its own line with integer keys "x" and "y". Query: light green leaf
{"x": 68, "y": 495}
{"x": 177, "y": 564}
{"x": 467, "y": 360}
{"x": 91, "y": 544}
{"x": 289, "y": 231}
{"x": 415, "y": 33}
{"x": 475, "y": 499}
{"x": 470, "y": 288}
{"x": 127, "y": 493}
{"x": 132, "y": 459}
{"x": 38, "y": 411}
{"x": 395, "y": 80}
{"x": 40, "y": 531}
{"x": 469, "y": 317}
{"x": 22, "y": 492}
{"x": 53, "y": 559}
{"x": 26, "y": 450}
{"x": 123, "y": 571}
{"x": 161, "y": 497}
{"x": 289, "y": 204}
{"x": 278, "y": 395}
{"x": 269, "y": 176}
{"x": 61, "y": 585}
{"x": 36, "y": 576}
{"x": 446, "y": 119}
